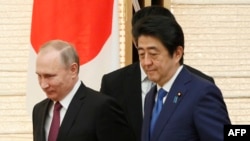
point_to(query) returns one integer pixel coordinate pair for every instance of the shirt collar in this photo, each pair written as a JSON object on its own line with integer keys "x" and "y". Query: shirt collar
{"x": 167, "y": 86}
{"x": 66, "y": 101}
{"x": 143, "y": 74}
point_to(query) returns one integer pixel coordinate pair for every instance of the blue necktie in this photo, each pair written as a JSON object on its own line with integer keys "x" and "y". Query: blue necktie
{"x": 157, "y": 108}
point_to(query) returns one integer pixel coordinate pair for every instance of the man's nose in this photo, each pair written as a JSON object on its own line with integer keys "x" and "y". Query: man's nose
{"x": 44, "y": 83}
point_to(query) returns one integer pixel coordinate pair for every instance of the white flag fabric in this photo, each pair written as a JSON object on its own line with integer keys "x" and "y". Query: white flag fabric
{"x": 92, "y": 26}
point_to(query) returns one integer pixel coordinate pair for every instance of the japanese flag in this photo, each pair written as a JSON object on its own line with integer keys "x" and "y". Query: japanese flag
{"x": 91, "y": 25}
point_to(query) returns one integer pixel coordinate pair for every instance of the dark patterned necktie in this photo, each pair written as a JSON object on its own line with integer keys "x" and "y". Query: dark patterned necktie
{"x": 55, "y": 124}
{"x": 157, "y": 108}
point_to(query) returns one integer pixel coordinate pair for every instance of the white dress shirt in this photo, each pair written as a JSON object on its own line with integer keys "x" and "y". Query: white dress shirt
{"x": 65, "y": 104}
{"x": 146, "y": 85}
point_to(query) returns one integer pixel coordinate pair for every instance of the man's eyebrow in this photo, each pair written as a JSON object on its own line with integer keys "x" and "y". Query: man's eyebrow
{"x": 149, "y": 47}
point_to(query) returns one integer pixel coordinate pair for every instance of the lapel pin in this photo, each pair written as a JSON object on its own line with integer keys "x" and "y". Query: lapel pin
{"x": 179, "y": 94}
{"x": 176, "y": 97}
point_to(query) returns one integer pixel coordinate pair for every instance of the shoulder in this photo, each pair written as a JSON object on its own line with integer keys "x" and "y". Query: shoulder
{"x": 200, "y": 87}
{"x": 42, "y": 103}
{"x": 97, "y": 96}
{"x": 96, "y": 101}
{"x": 199, "y": 73}
{"x": 132, "y": 69}
{"x": 127, "y": 69}
{"x": 40, "y": 107}
{"x": 193, "y": 81}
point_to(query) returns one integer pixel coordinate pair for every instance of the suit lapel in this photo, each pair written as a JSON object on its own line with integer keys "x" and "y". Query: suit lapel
{"x": 175, "y": 96}
{"x": 73, "y": 109}
{"x": 43, "y": 116}
{"x": 149, "y": 104}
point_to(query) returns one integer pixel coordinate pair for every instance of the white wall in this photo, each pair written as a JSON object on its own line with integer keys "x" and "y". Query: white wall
{"x": 218, "y": 43}
{"x": 15, "y": 21}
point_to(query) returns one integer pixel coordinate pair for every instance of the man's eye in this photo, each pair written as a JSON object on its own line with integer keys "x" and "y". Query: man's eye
{"x": 152, "y": 54}
{"x": 141, "y": 53}
{"x": 49, "y": 76}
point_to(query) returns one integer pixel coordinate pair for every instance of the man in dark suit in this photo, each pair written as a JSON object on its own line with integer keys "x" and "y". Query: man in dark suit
{"x": 127, "y": 84}
{"x": 84, "y": 114}
{"x": 181, "y": 106}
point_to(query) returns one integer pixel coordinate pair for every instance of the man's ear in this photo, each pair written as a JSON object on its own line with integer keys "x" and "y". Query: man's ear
{"x": 179, "y": 53}
{"x": 74, "y": 68}
{"x": 134, "y": 42}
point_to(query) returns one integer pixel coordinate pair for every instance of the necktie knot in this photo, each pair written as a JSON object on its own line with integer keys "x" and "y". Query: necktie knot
{"x": 161, "y": 94}
{"x": 57, "y": 106}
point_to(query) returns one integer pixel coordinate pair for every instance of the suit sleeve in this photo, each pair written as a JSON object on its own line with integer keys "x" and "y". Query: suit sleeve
{"x": 211, "y": 115}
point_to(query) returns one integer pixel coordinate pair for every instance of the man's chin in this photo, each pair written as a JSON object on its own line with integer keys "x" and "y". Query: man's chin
{"x": 51, "y": 96}
{"x": 151, "y": 78}
{"x": 150, "y": 73}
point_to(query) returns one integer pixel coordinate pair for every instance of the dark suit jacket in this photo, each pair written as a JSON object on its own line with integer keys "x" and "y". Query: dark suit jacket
{"x": 125, "y": 85}
{"x": 198, "y": 114}
{"x": 91, "y": 116}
